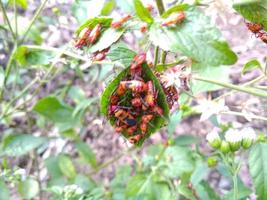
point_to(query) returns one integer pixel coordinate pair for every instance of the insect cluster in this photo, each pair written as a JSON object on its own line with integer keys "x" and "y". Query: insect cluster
{"x": 174, "y": 18}
{"x": 134, "y": 103}
{"x": 257, "y": 29}
{"x": 88, "y": 36}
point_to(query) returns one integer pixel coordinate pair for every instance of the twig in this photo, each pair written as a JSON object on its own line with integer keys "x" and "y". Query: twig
{"x": 36, "y": 15}
{"x": 7, "y": 20}
{"x": 239, "y": 88}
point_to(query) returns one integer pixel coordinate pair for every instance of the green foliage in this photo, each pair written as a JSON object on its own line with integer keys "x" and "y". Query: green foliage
{"x": 28, "y": 188}
{"x": 27, "y": 57}
{"x": 20, "y": 144}
{"x": 4, "y": 192}
{"x": 142, "y": 12}
{"x": 21, "y": 3}
{"x": 121, "y": 54}
{"x": 52, "y": 109}
{"x": 219, "y": 73}
{"x": 66, "y": 166}
{"x": 258, "y": 168}
{"x": 195, "y": 38}
{"x": 86, "y": 153}
{"x": 250, "y": 65}
{"x": 253, "y": 11}
{"x": 108, "y": 7}
{"x": 175, "y": 168}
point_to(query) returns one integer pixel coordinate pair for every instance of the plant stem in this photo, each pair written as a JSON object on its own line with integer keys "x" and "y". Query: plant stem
{"x": 56, "y": 50}
{"x": 8, "y": 70}
{"x": 253, "y": 81}
{"x": 163, "y": 57}
{"x": 16, "y": 20}
{"x": 160, "y": 6}
{"x": 233, "y": 87}
{"x": 235, "y": 189}
{"x": 252, "y": 116}
{"x": 161, "y": 10}
{"x": 7, "y": 20}
{"x": 36, "y": 15}
{"x": 156, "y": 56}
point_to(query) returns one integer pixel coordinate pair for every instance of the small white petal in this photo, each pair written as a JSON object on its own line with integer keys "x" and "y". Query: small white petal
{"x": 213, "y": 135}
{"x": 233, "y": 135}
{"x": 248, "y": 133}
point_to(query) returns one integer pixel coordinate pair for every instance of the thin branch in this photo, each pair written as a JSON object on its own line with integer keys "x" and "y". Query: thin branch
{"x": 7, "y": 20}
{"x": 252, "y": 116}
{"x": 257, "y": 79}
{"x": 156, "y": 56}
{"x": 239, "y": 88}
{"x": 36, "y": 15}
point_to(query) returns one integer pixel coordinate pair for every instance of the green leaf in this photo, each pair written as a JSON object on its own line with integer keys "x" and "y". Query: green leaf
{"x": 29, "y": 57}
{"x": 28, "y": 188}
{"x": 255, "y": 12}
{"x": 22, "y": 3}
{"x": 108, "y": 7}
{"x": 175, "y": 119}
{"x": 185, "y": 191}
{"x": 219, "y": 73}
{"x": 122, "y": 54}
{"x": 158, "y": 121}
{"x": 91, "y": 23}
{"x": 86, "y": 153}
{"x": 250, "y": 65}
{"x": 200, "y": 172}
{"x": 66, "y": 166}
{"x": 84, "y": 182}
{"x": 51, "y": 108}
{"x": 144, "y": 187}
{"x": 119, "y": 183}
{"x": 18, "y": 145}
{"x": 178, "y": 160}
{"x": 142, "y": 12}
{"x": 52, "y": 166}
{"x": 205, "y": 192}
{"x": 258, "y": 168}
{"x": 106, "y": 39}
{"x": 185, "y": 140}
{"x": 4, "y": 191}
{"x": 175, "y": 8}
{"x": 195, "y": 38}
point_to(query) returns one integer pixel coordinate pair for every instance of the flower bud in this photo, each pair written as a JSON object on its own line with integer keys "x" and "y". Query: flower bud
{"x": 225, "y": 147}
{"x": 214, "y": 139}
{"x": 248, "y": 137}
{"x": 234, "y": 138}
{"x": 212, "y": 161}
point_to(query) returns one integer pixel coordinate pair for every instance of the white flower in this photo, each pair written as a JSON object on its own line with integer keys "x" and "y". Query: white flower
{"x": 171, "y": 78}
{"x": 209, "y": 108}
{"x": 248, "y": 133}
{"x": 213, "y": 138}
{"x": 234, "y": 137}
{"x": 248, "y": 137}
